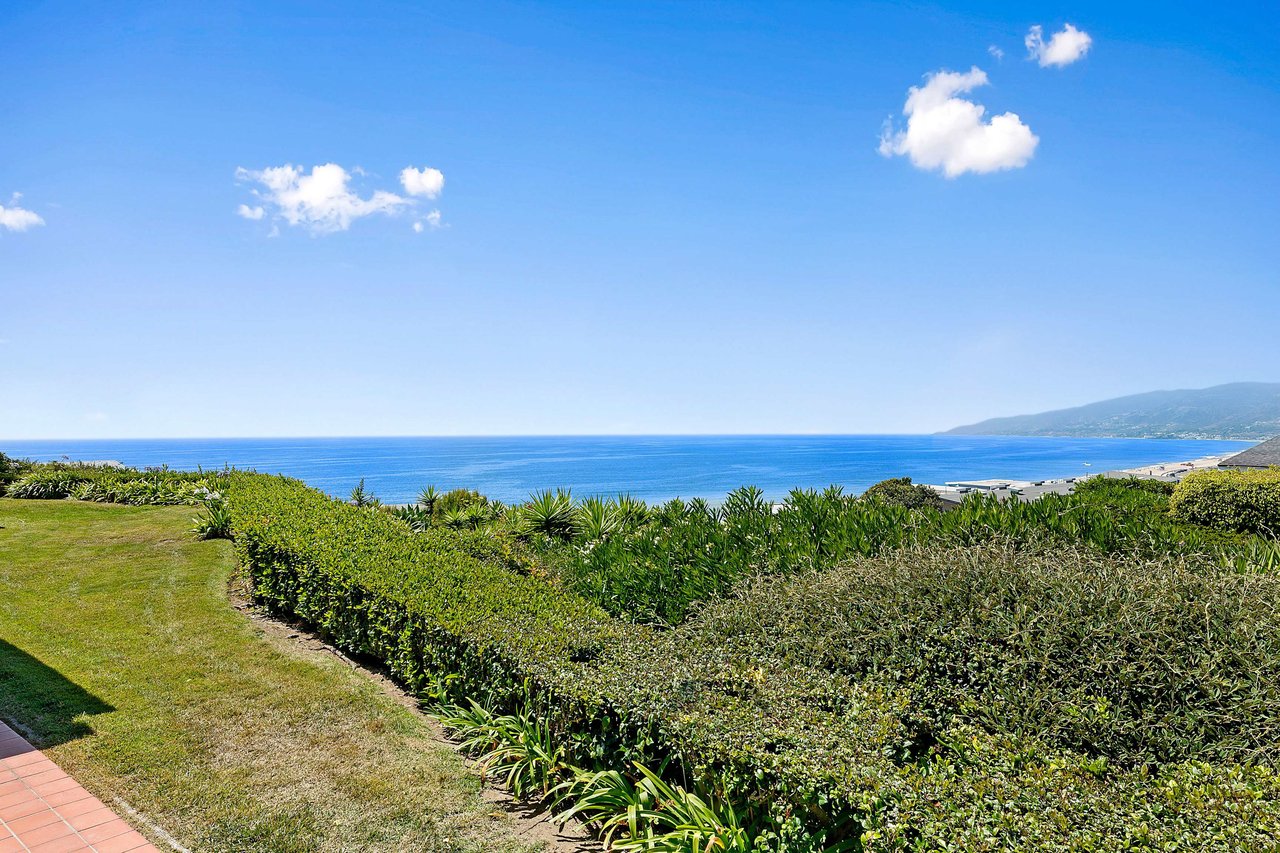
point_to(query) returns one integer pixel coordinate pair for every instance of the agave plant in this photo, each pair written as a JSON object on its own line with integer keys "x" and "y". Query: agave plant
{"x": 550, "y": 513}
{"x": 417, "y": 517}
{"x": 457, "y": 519}
{"x": 596, "y": 519}
{"x": 428, "y": 498}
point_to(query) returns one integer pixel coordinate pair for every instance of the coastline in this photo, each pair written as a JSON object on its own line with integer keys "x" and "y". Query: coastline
{"x": 1027, "y": 490}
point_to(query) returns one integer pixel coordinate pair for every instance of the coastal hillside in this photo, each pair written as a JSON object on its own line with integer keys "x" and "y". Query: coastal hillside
{"x": 1243, "y": 410}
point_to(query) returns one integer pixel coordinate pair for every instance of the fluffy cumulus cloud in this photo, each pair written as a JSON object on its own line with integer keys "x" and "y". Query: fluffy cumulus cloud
{"x": 1063, "y": 47}
{"x": 947, "y": 132}
{"x": 322, "y": 200}
{"x": 15, "y": 218}
{"x": 425, "y": 182}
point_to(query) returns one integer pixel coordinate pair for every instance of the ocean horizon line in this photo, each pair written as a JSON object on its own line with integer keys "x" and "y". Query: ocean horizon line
{"x": 575, "y": 435}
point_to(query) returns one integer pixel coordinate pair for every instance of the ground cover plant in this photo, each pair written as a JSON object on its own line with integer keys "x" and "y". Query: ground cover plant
{"x": 114, "y": 484}
{"x": 121, "y": 655}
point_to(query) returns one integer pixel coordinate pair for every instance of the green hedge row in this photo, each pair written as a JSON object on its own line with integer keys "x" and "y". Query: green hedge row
{"x": 832, "y": 754}
{"x": 1242, "y": 501}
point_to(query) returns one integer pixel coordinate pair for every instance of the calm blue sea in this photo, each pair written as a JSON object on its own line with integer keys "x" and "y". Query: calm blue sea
{"x": 654, "y": 468}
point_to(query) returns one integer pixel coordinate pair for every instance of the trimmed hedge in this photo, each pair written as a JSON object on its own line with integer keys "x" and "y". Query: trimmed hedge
{"x": 832, "y": 755}
{"x": 1140, "y": 662}
{"x": 1241, "y": 501}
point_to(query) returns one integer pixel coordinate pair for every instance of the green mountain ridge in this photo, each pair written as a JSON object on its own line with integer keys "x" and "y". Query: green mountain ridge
{"x": 1239, "y": 410}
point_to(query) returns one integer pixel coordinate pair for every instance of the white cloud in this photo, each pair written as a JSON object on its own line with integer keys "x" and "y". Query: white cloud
{"x": 321, "y": 201}
{"x": 426, "y": 182}
{"x": 432, "y": 220}
{"x": 995, "y": 52}
{"x": 948, "y": 133}
{"x": 250, "y": 212}
{"x": 15, "y": 218}
{"x": 1063, "y": 48}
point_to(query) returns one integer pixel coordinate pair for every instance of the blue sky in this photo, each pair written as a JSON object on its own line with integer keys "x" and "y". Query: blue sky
{"x": 659, "y": 217}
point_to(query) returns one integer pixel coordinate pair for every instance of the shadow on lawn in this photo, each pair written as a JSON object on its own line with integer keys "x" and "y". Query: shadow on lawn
{"x": 40, "y": 703}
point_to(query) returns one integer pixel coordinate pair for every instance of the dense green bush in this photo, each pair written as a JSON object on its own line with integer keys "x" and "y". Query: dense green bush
{"x": 1112, "y": 487}
{"x": 900, "y": 491}
{"x": 1142, "y": 662}
{"x": 819, "y": 751}
{"x": 1242, "y": 501}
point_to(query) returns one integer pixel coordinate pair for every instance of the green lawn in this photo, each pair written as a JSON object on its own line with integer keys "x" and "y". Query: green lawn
{"x": 121, "y": 654}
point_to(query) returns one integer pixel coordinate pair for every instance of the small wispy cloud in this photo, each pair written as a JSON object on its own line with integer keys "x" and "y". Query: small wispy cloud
{"x": 949, "y": 133}
{"x": 432, "y": 220}
{"x": 1064, "y": 47}
{"x": 995, "y": 52}
{"x": 16, "y": 218}
{"x": 248, "y": 212}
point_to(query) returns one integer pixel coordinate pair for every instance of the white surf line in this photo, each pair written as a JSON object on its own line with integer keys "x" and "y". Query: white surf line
{"x": 151, "y": 825}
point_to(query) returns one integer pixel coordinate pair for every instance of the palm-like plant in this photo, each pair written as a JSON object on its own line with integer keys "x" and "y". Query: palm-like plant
{"x": 427, "y": 499}
{"x": 596, "y": 519}
{"x": 362, "y": 498}
{"x": 550, "y": 513}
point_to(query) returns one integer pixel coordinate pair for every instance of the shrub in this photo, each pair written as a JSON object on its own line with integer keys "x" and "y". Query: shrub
{"x": 1110, "y": 487}
{"x": 900, "y": 491}
{"x": 1138, "y": 661}
{"x": 1241, "y": 501}
{"x": 455, "y": 500}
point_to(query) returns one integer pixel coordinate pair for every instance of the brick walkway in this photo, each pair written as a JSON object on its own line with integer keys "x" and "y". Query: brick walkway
{"x": 44, "y": 810}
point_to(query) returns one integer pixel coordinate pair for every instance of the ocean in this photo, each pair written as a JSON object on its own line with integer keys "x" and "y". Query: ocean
{"x": 652, "y": 468}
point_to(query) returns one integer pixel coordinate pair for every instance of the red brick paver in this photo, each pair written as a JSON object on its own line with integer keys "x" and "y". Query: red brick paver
{"x": 43, "y": 810}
